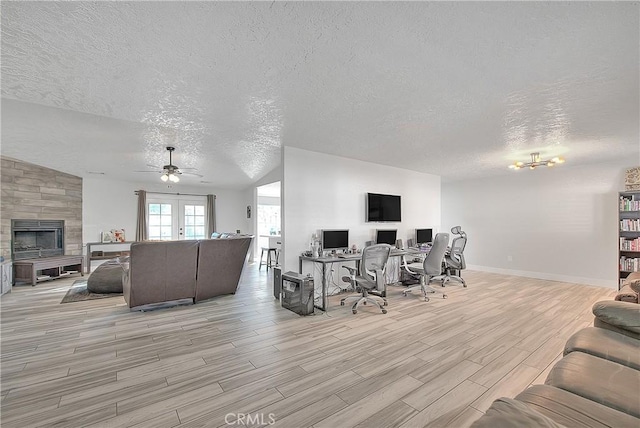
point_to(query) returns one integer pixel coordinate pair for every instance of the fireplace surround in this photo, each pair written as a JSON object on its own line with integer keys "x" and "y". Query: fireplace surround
{"x": 32, "y": 239}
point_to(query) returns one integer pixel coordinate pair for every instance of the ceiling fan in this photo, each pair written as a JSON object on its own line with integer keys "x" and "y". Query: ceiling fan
{"x": 171, "y": 172}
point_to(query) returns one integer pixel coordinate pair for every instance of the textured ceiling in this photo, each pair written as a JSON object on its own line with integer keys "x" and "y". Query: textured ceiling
{"x": 458, "y": 89}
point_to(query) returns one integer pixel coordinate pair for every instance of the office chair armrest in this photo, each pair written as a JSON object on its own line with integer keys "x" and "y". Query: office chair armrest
{"x": 380, "y": 280}
{"x": 415, "y": 269}
{"x": 352, "y": 270}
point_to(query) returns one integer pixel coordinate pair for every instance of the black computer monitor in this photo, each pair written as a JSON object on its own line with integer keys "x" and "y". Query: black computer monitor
{"x": 424, "y": 236}
{"x": 335, "y": 239}
{"x": 386, "y": 236}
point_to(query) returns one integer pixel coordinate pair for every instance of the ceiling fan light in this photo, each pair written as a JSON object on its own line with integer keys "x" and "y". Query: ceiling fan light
{"x": 537, "y": 161}
{"x": 164, "y": 177}
{"x": 174, "y": 178}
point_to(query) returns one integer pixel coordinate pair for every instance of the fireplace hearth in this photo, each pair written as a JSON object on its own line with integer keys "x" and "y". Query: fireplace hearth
{"x": 32, "y": 239}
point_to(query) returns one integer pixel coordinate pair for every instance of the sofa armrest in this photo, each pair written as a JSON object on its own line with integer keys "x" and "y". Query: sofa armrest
{"x": 124, "y": 263}
{"x": 624, "y": 317}
{"x": 509, "y": 413}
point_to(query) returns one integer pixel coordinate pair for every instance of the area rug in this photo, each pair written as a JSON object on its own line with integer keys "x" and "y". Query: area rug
{"x": 79, "y": 293}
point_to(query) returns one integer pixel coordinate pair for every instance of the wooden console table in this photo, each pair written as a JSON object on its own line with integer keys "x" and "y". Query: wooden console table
{"x": 49, "y": 267}
{"x": 103, "y": 255}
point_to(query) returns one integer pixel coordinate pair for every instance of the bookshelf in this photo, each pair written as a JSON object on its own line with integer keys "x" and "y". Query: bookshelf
{"x": 628, "y": 234}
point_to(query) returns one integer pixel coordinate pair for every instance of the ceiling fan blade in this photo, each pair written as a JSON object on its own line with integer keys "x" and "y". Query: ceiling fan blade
{"x": 153, "y": 166}
{"x": 192, "y": 173}
{"x": 155, "y": 172}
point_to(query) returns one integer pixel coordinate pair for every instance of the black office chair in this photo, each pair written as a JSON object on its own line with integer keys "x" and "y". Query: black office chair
{"x": 431, "y": 267}
{"x": 370, "y": 277}
{"x": 454, "y": 259}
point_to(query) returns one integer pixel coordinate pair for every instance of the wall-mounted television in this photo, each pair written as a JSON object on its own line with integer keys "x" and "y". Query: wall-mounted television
{"x": 335, "y": 239}
{"x": 382, "y": 208}
{"x": 424, "y": 236}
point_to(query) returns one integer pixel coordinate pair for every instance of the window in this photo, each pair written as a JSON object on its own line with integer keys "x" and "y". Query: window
{"x": 160, "y": 222}
{"x": 194, "y": 222}
{"x": 175, "y": 218}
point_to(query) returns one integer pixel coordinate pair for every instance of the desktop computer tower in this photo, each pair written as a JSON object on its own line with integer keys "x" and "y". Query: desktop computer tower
{"x": 277, "y": 282}
{"x": 297, "y": 293}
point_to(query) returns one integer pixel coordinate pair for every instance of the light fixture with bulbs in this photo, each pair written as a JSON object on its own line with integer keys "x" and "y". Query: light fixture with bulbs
{"x": 536, "y": 162}
{"x": 171, "y": 172}
{"x": 170, "y": 176}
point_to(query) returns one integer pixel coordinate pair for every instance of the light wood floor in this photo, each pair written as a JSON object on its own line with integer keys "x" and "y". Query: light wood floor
{"x": 437, "y": 363}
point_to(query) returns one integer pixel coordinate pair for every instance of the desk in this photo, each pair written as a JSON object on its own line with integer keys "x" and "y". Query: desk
{"x": 327, "y": 260}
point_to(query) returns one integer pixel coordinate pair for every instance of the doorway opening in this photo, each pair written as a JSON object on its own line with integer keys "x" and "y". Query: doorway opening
{"x": 268, "y": 216}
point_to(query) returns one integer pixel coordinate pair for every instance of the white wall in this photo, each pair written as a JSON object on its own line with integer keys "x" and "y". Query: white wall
{"x": 328, "y": 192}
{"x": 558, "y": 224}
{"x": 110, "y": 204}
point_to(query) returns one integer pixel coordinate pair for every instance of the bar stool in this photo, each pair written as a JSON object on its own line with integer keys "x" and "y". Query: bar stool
{"x": 269, "y": 262}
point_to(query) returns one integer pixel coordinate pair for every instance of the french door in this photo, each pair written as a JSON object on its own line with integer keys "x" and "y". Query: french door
{"x": 175, "y": 219}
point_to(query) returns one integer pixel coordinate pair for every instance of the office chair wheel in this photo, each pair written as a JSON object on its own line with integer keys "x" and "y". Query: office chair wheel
{"x": 385, "y": 303}
{"x": 341, "y": 303}
{"x": 444, "y": 296}
{"x": 384, "y": 311}
{"x": 354, "y": 311}
{"x": 426, "y": 299}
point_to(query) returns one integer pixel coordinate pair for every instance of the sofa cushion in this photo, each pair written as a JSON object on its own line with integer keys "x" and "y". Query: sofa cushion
{"x": 599, "y": 380}
{"x": 573, "y": 410}
{"x": 633, "y": 276}
{"x": 605, "y": 344}
{"x": 622, "y": 317}
{"x": 507, "y": 412}
{"x": 626, "y": 294}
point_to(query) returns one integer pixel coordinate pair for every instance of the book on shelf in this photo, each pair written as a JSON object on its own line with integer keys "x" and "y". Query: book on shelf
{"x": 629, "y": 203}
{"x": 629, "y": 264}
{"x": 627, "y": 244}
{"x": 629, "y": 225}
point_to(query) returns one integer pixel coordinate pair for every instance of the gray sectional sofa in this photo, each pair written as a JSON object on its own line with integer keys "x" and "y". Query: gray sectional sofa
{"x": 160, "y": 272}
{"x": 595, "y": 384}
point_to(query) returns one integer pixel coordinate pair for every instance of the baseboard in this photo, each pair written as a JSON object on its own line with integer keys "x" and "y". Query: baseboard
{"x": 548, "y": 276}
